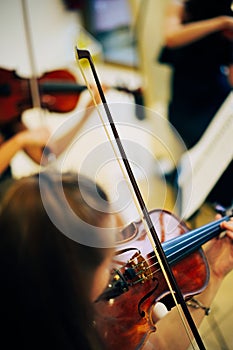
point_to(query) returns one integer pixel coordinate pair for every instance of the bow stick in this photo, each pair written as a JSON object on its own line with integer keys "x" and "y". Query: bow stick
{"x": 167, "y": 272}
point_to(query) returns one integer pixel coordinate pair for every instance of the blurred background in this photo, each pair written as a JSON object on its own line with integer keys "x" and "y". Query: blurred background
{"x": 124, "y": 38}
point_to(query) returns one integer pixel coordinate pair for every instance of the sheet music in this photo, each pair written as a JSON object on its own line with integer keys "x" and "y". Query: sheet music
{"x": 201, "y": 167}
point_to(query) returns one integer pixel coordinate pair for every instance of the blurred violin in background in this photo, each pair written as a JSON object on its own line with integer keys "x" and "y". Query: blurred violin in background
{"x": 59, "y": 92}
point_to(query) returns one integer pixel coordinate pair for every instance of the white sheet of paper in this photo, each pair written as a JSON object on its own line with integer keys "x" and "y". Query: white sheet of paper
{"x": 202, "y": 166}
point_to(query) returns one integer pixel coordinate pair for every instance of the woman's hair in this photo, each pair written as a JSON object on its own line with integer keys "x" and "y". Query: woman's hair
{"x": 46, "y": 277}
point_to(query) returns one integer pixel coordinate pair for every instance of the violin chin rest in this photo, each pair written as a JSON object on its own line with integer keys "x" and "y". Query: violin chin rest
{"x": 159, "y": 311}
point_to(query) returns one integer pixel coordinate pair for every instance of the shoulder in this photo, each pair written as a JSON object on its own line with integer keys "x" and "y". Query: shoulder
{"x": 176, "y": 8}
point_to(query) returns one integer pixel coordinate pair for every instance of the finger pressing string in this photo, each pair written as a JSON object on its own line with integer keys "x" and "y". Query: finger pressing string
{"x": 228, "y": 226}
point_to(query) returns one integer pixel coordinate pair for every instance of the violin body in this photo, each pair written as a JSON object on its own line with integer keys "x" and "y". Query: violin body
{"x": 59, "y": 92}
{"x": 124, "y": 310}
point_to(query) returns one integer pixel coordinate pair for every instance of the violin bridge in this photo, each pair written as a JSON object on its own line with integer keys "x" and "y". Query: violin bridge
{"x": 137, "y": 270}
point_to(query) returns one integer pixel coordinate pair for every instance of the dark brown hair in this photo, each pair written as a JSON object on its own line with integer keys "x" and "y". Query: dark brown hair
{"x": 46, "y": 277}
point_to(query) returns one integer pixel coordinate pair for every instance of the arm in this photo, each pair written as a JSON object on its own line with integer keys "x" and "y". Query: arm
{"x": 31, "y": 141}
{"x": 170, "y": 331}
{"x": 178, "y": 34}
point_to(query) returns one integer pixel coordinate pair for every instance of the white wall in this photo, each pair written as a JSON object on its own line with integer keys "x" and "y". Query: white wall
{"x": 53, "y": 32}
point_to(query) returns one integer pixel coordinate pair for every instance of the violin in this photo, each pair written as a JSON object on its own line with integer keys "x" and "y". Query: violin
{"x": 58, "y": 89}
{"x": 137, "y": 284}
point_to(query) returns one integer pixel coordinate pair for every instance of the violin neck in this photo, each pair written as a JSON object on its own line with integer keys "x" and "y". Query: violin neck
{"x": 61, "y": 87}
{"x": 178, "y": 248}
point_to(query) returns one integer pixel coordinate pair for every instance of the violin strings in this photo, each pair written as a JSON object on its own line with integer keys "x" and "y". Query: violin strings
{"x": 33, "y": 81}
{"x": 201, "y": 236}
{"x": 202, "y": 232}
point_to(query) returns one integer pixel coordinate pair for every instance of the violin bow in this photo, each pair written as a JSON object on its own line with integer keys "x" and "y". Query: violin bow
{"x": 152, "y": 234}
{"x": 34, "y": 87}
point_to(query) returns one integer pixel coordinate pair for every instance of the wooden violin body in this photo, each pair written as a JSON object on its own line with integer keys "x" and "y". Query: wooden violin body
{"x": 124, "y": 310}
{"x": 59, "y": 92}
